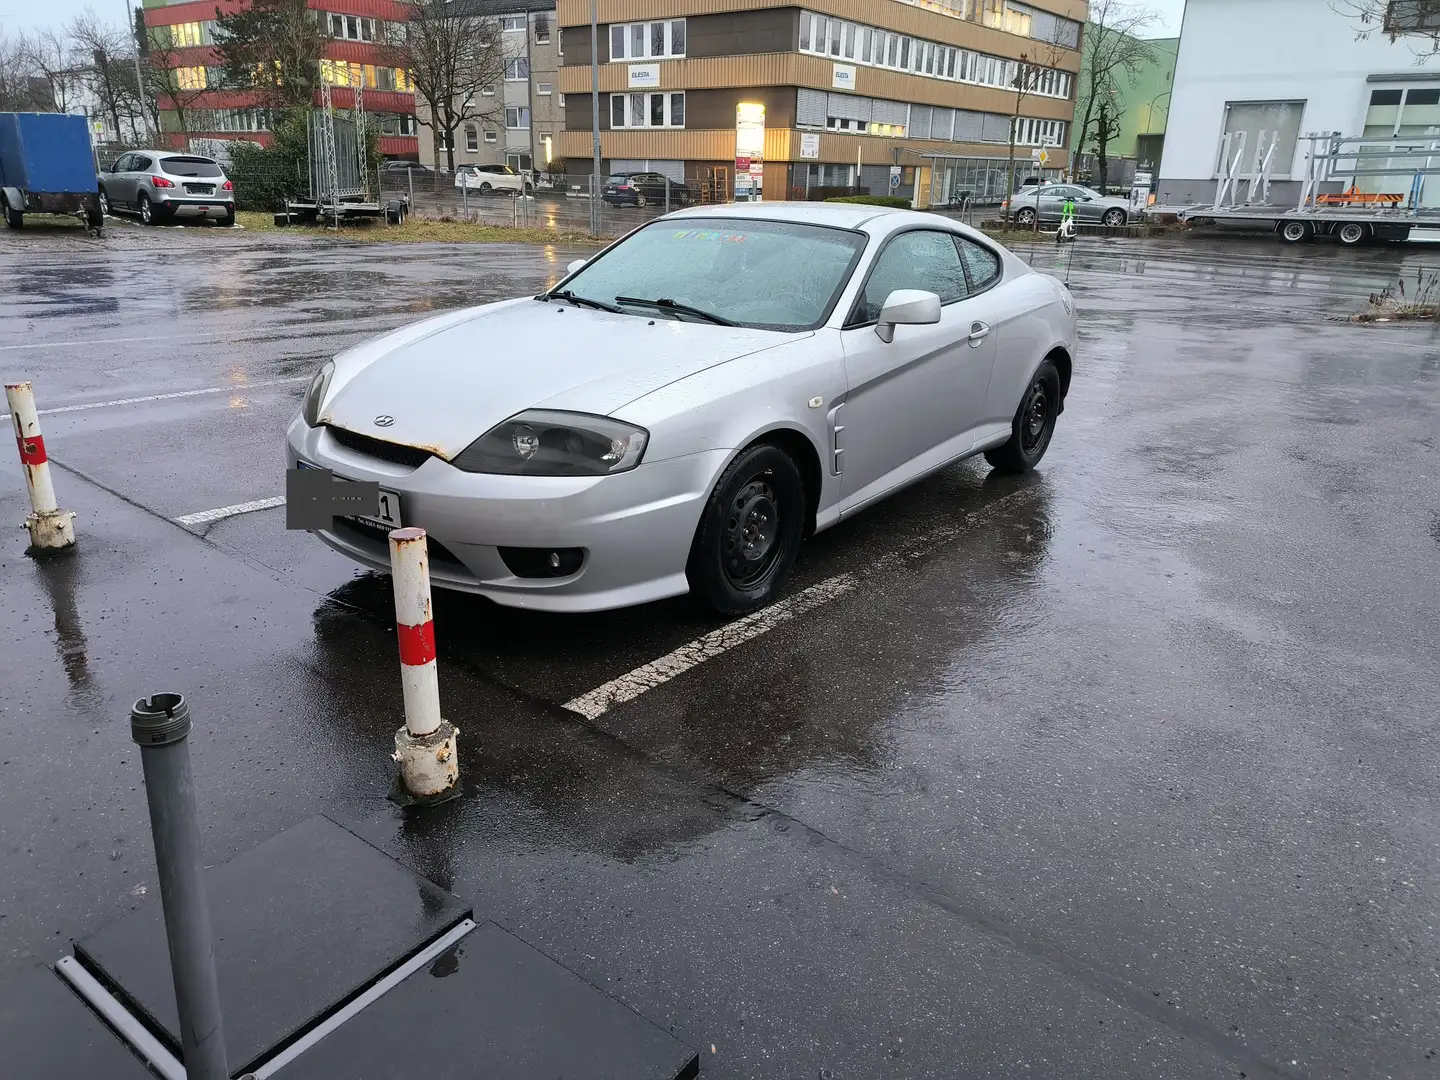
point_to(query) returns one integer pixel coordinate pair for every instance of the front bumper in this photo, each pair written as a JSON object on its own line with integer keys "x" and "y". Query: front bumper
{"x": 635, "y": 528}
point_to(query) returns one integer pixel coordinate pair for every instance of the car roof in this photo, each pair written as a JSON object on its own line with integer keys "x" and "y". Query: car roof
{"x": 837, "y": 215}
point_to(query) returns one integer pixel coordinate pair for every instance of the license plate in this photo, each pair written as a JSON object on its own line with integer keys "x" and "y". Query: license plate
{"x": 388, "y": 515}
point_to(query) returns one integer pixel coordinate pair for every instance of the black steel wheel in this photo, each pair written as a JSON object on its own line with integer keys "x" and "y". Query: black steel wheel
{"x": 1033, "y": 426}
{"x": 1295, "y": 232}
{"x": 1352, "y": 233}
{"x": 749, "y": 532}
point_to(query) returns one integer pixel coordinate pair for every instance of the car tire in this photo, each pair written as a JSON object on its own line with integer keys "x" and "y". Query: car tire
{"x": 640, "y": 200}
{"x": 1115, "y": 218}
{"x": 1025, "y": 217}
{"x": 1352, "y": 234}
{"x": 1294, "y": 232}
{"x": 1033, "y": 426}
{"x": 228, "y": 221}
{"x": 749, "y": 532}
{"x": 14, "y": 218}
{"x": 104, "y": 203}
{"x": 94, "y": 217}
{"x": 485, "y": 188}
{"x": 147, "y": 212}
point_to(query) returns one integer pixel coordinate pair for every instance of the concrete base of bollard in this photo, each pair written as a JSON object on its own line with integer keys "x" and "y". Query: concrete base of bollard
{"x": 50, "y": 534}
{"x": 429, "y": 764}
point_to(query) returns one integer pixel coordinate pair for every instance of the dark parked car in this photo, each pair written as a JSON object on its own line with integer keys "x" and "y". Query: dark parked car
{"x": 410, "y": 167}
{"x": 644, "y": 189}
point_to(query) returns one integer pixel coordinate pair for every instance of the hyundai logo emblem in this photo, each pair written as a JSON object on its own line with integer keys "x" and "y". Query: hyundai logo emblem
{"x": 384, "y": 421}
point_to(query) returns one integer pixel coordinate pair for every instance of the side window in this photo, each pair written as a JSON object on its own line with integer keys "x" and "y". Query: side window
{"x": 981, "y": 264}
{"x": 913, "y": 260}
{"x": 139, "y": 163}
{"x": 125, "y": 163}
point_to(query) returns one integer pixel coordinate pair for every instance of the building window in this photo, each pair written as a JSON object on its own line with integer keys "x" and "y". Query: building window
{"x": 488, "y": 91}
{"x": 444, "y": 140}
{"x": 657, "y": 110}
{"x": 190, "y": 78}
{"x": 472, "y": 138}
{"x": 517, "y": 118}
{"x": 542, "y": 29}
{"x": 490, "y": 135}
{"x": 511, "y": 23}
{"x": 824, "y": 35}
{"x": 352, "y": 27}
{"x": 188, "y": 35}
{"x": 1402, "y": 16}
{"x": 544, "y": 89}
{"x": 1031, "y": 132}
{"x": 517, "y": 69}
{"x": 647, "y": 41}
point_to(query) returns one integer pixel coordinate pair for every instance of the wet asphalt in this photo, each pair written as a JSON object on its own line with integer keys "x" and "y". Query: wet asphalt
{"x": 1127, "y": 768}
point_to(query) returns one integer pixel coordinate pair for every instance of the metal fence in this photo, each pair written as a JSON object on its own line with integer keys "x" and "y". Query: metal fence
{"x": 557, "y": 207}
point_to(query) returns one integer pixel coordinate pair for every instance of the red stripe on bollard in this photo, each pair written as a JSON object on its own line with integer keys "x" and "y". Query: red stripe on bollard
{"x": 32, "y": 451}
{"x": 417, "y": 644}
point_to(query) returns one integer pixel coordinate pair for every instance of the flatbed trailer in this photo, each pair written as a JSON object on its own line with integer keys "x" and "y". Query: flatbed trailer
{"x": 1350, "y": 225}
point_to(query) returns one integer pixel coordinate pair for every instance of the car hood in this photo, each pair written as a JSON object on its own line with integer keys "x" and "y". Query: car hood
{"x": 445, "y": 382}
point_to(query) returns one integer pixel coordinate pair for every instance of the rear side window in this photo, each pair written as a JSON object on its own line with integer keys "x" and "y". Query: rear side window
{"x": 139, "y": 163}
{"x": 617, "y": 179}
{"x": 190, "y": 166}
{"x": 981, "y": 264}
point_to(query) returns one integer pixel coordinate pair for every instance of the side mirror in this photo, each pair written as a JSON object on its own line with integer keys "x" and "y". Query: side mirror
{"x": 576, "y": 265}
{"x": 907, "y": 307}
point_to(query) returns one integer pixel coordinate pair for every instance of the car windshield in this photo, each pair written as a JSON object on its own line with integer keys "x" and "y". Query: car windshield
{"x": 190, "y": 166}
{"x": 773, "y": 275}
{"x": 1090, "y": 193}
{"x": 617, "y": 179}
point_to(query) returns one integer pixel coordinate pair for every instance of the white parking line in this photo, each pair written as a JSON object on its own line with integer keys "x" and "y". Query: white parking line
{"x": 204, "y": 517}
{"x": 648, "y": 676}
{"x": 236, "y": 389}
{"x": 70, "y": 344}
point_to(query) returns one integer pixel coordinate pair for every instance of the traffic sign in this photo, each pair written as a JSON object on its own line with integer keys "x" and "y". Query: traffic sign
{"x": 894, "y": 177}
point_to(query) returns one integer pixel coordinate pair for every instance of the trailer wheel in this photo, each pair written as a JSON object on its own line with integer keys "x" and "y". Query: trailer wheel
{"x": 95, "y": 217}
{"x": 14, "y": 218}
{"x": 395, "y": 213}
{"x": 1295, "y": 232}
{"x": 1353, "y": 234}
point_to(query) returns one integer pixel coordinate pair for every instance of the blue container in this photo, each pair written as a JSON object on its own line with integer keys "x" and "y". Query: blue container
{"x": 46, "y": 153}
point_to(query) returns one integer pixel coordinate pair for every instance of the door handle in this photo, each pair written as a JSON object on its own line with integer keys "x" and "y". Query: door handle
{"x": 979, "y": 331}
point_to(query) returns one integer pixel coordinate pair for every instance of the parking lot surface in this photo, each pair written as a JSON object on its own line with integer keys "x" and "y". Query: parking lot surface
{"x": 1126, "y": 768}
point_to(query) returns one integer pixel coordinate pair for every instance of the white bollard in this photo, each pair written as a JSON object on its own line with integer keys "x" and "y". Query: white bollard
{"x": 52, "y": 530}
{"x": 425, "y": 746}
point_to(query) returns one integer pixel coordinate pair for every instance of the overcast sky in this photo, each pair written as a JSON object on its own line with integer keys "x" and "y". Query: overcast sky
{"x": 27, "y": 14}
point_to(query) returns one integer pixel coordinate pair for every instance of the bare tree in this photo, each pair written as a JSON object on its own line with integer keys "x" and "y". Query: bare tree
{"x": 104, "y": 56}
{"x": 1107, "y": 129}
{"x": 274, "y": 48}
{"x": 22, "y": 89}
{"x": 1395, "y": 19}
{"x": 47, "y": 56}
{"x": 452, "y": 57}
{"x": 1030, "y": 70}
{"x": 1112, "y": 52}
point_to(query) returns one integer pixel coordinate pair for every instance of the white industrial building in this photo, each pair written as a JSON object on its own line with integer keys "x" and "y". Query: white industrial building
{"x": 1278, "y": 70}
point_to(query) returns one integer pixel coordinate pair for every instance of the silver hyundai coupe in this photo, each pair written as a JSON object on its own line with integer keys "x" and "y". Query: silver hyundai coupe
{"x": 684, "y": 407}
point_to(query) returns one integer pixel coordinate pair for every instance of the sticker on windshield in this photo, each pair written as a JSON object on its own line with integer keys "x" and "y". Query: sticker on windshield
{"x": 710, "y": 234}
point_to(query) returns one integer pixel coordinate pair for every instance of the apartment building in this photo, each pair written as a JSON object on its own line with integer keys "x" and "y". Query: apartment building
{"x": 354, "y": 57}
{"x": 787, "y": 100}
{"x": 521, "y": 116}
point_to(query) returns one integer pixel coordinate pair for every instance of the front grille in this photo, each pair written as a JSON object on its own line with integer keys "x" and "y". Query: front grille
{"x": 437, "y": 551}
{"x": 412, "y": 456}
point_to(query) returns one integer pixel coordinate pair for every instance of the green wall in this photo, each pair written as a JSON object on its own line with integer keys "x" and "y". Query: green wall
{"x": 1144, "y": 103}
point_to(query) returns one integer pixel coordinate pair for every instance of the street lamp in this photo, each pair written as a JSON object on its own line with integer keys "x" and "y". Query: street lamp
{"x": 1150, "y": 110}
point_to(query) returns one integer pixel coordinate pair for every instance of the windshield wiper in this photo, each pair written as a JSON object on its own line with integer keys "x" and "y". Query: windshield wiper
{"x": 665, "y": 304}
{"x": 581, "y": 301}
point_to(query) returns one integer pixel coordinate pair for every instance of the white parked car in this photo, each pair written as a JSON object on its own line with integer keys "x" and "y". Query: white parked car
{"x": 491, "y": 179}
{"x": 685, "y": 407}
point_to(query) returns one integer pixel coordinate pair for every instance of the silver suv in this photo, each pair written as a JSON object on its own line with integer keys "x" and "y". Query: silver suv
{"x": 161, "y": 184}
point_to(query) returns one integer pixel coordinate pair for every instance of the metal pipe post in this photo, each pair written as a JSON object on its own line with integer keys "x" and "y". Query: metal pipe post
{"x": 425, "y": 747}
{"x": 161, "y": 726}
{"x": 594, "y": 120}
{"x": 52, "y": 530}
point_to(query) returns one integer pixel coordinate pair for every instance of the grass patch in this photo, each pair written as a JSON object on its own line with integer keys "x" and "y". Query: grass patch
{"x": 1397, "y": 303}
{"x": 418, "y": 230}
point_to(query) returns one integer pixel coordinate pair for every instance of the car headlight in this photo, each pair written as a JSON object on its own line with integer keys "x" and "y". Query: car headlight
{"x": 540, "y": 443}
{"x": 310, "y": 410}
